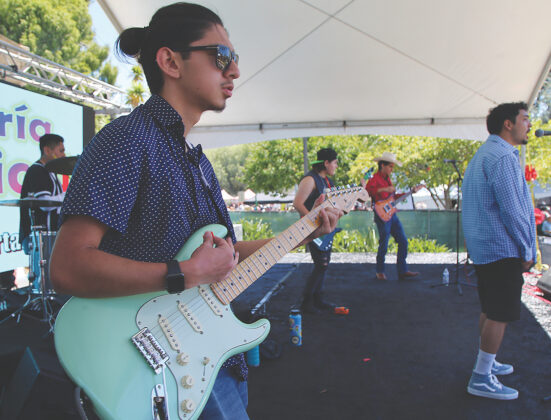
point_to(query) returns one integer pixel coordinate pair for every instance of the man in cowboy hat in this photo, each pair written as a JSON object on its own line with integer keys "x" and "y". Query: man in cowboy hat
{"x": 380, "y": 188}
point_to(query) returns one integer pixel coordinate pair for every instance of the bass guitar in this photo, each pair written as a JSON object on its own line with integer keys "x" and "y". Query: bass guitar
{"x": 325, "y": 242}
{"x": 385, "y": 209}
{"x": 156, "y": 355}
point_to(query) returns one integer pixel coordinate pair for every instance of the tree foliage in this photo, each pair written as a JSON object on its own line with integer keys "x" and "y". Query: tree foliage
{"x": 542, "y": 107}
{"x": 59, "y": 30}
{"x": 228, "y": 165}
{"x": 538, "y": 153}
{"x": 276, "y": 166}
{"x": 135, "y": 95}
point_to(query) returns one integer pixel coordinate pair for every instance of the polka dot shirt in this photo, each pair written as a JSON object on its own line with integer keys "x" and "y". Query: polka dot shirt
{"x": 136, "y": 177}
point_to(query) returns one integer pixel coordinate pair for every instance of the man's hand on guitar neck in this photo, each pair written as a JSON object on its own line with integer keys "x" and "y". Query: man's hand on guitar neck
{"x": 329, "y": 218}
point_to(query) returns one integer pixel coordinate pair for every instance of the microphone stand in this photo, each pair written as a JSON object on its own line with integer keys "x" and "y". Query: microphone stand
{"x": 457, "y": 282}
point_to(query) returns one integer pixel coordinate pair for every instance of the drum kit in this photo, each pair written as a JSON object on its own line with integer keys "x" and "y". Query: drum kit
{"x": 40, "y": 290}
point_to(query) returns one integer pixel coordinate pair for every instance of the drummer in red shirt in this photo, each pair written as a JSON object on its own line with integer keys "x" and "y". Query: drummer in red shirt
{"x": 379, "y": 188}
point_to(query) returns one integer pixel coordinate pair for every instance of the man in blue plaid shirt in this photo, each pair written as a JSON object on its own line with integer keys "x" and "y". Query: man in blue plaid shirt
{"x": 500, "y": 232}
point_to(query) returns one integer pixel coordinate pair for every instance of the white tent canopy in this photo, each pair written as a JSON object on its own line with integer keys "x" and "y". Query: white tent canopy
{"x": 320, "y": 67}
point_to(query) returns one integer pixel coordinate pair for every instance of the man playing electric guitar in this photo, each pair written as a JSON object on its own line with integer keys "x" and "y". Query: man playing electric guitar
{"x": 140, "y": 190}
{"x": 380, "y": 188}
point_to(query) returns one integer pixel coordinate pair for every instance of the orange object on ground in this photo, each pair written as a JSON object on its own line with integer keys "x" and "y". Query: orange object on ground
{"x": 342, "y": 310}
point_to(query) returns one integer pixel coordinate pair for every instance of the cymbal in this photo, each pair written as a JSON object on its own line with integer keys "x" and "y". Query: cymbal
{"x": 63, "y": 166}
{"x": 31, "y": 202}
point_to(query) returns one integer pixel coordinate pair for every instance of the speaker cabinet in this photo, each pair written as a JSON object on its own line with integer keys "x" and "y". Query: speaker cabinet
{"x": 38, "y": 389}
{"x": 544, "y": 283}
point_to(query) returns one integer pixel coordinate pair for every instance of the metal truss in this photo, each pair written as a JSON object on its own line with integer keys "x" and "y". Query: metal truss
{"x": 22, "y": 67}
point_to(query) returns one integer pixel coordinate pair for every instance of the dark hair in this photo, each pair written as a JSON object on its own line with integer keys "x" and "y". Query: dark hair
{"x": 323, "y": 155}
{"x": 49, "y": 140}
{"x": 501, "y": 113}
{"x": 382, "y": 163}
{"x": 175, "y": 26}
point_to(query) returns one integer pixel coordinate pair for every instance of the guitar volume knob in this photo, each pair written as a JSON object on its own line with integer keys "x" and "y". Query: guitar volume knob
{"x": 182, "y": 359}
{"x": 188, "y": 406}
{"x": 187, "y": 381}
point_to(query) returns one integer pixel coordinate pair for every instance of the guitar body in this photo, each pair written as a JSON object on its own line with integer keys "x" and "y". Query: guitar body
{"x": 127, "y": 352}
{"x": 385, "y": 209}
{"x": 198, "y": 333}
{"x": 325, "y": 242}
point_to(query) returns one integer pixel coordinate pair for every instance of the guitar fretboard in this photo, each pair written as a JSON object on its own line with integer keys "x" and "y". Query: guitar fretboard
{"x": 254, "y": 266}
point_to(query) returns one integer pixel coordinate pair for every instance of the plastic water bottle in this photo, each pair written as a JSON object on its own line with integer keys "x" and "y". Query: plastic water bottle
{"x": 445, "y": 277}
{"x": 295, "y": 325}
{"x": 253, "y": 357}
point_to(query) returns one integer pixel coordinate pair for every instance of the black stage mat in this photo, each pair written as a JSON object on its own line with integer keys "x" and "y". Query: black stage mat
{"x": 404, "y": 351}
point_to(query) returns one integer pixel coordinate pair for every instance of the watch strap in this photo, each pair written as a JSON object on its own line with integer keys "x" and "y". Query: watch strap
{"x": 175, "y": 279}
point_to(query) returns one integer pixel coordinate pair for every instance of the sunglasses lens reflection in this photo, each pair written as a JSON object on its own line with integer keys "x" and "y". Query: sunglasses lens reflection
{"x": 224, "y": 57}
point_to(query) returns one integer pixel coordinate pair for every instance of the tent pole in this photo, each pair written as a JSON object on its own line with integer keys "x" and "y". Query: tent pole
{"x": 305, "y": 153}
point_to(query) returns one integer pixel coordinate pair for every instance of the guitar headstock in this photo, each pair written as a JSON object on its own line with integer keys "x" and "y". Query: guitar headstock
{"x": 344, "y": 198}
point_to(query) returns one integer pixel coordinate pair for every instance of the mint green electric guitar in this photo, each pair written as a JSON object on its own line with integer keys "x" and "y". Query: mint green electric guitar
{"x": 156, "y": 355}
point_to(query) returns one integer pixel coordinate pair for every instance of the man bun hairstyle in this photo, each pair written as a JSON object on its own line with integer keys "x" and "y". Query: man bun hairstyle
{"x": 175, "y": 26}
{"x": 501, "y": 113}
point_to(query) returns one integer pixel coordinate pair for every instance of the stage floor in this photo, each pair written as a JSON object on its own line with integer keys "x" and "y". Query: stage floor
{"x": 405, "y": 350}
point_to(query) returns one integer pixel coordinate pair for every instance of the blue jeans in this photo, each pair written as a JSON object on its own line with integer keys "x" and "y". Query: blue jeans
{"x": 392, "y": 227}
{"x": 228, "y": 399}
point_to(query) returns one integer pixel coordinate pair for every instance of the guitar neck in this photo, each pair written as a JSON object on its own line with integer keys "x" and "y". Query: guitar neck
{"x": 254, "y": 266}
{"x": 402, "y": 197}
{"x": 406, "y": 195}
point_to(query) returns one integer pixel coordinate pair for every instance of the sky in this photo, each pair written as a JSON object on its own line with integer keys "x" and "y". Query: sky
{"x": 107, "y": 35}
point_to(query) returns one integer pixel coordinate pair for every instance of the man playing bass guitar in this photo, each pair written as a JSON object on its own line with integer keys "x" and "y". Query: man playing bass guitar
{"x": 310, "y": 188}
{"x": 380, "y": 188}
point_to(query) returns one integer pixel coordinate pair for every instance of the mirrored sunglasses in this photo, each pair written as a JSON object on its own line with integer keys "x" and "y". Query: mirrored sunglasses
{"x": 224, "y": 56}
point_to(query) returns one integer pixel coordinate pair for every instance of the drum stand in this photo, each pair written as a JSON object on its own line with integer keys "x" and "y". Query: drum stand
{"x": 41, "y": 297}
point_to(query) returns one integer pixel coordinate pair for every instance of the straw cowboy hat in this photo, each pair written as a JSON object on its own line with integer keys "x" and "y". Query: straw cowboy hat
{"x": 388, "y": 157}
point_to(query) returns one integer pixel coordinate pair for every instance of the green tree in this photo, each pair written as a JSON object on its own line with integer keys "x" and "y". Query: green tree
{"x": 538, "y": 152}
{"x": 542, "y": 107}
{"x": 59, "y": 30}
{"x": 136, "y": 93}
{"x": 228, "y": 165}
{"x": 275, "y": 166}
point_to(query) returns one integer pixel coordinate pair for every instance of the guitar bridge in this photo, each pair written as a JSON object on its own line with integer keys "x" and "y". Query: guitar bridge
{"x": 150, "y": 349}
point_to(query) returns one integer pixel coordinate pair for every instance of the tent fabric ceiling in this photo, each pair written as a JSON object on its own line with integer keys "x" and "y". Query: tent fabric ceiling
{"x": 319, "y": 67}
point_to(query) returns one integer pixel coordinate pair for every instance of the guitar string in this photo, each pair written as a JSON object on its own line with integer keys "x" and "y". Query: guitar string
{"x": 197, "y": 305}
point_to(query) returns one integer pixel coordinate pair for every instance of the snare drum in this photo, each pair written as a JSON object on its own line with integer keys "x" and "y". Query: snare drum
{"x": 43, "y": 244}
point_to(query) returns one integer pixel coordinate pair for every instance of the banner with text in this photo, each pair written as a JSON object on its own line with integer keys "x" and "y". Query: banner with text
{"x": 24, "y": 117}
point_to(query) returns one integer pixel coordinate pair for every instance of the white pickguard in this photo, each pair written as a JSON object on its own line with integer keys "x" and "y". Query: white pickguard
{"x": 203, "y": 336}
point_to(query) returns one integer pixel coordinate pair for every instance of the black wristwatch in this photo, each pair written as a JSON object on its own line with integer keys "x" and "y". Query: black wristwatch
{"x": 175, "y": 280}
